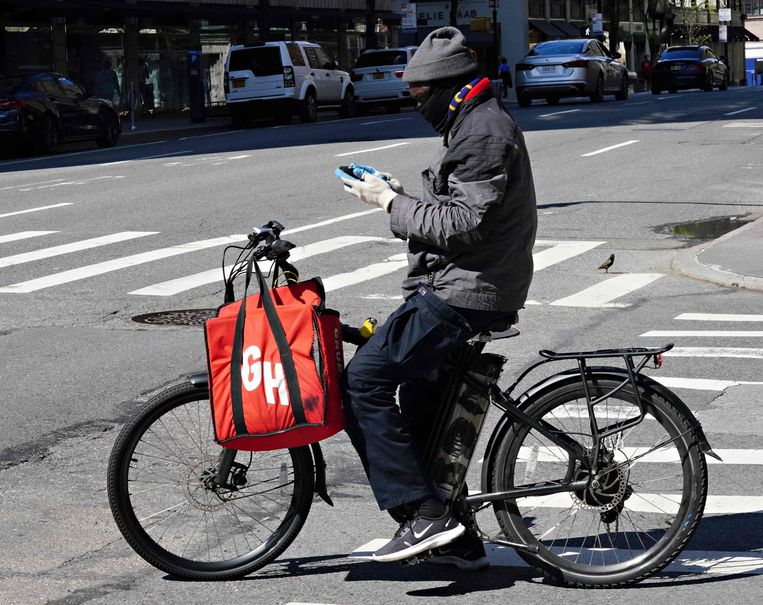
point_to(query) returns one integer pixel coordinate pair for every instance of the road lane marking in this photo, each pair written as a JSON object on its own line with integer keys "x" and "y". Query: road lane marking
{"x": 557, "y": 113}
{"x": 30, "y": 184}
{"x": 384, "y": 121}
{"x": 342, "y": 280}
{"x": 719, "y": 317}
{"x": 66, "y": 277}
{"x": 701, "y": 384}
{"x": 14, "y": 237}
{"x": 601, "y": 294}
{"x": 36, "y": 209}
{"x": 341, "y": 155}
{"x": 214, "y": 134}
{"x": 67, "y": 155}
{"x": 175, "y": 286}
{"x": 150, "y": 157}
{"x": 702, "y": 333}
{"x": 84, "y": 244}
{"x": 734, "y": 352}
{"x": 758, "y": 124}
{"x": 610, "y": 148}
{"x": 331, "y": 221}
{"x": 688, "y": 561}
{"x": 560, "y": 251}
{"x": 733, "y": 113}
{"x": 63, "y": 183}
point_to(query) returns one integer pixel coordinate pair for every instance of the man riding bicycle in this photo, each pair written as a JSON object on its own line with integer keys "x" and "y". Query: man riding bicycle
{"x": 470, "y": 240}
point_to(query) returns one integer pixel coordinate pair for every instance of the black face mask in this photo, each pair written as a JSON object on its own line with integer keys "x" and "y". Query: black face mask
{"x": 435, "y": 106}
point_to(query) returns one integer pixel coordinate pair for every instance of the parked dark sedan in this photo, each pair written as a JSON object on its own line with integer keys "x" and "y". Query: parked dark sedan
{"x": 40, "y": 110}
{"x": 688, "y": 67}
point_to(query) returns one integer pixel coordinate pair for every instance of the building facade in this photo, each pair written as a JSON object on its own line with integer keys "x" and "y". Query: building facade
{"x": 148, "y": 41}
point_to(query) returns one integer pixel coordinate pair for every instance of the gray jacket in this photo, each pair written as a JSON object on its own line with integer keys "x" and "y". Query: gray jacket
{"x": 471, "y": 235}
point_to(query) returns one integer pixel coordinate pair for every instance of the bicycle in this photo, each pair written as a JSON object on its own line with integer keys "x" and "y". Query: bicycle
{"x": 564, "y": 468}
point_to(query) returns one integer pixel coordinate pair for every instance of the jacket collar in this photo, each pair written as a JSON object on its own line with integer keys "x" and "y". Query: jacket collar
{"x": 476, "y": 96}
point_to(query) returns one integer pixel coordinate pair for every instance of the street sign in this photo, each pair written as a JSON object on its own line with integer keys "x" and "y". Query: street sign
{"x": 598, "y": 24}
{"x": 724, "y": 14}
{"x": 408, "y": 17}
{"x": 722, "y": 33}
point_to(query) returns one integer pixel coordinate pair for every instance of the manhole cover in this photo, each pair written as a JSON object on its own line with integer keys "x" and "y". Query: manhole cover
{"x": 180, "y": 317}
{"x": 707, "y": 229}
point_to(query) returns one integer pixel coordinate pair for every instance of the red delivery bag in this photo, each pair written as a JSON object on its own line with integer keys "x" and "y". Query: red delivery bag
{"x": 275, "y": 361}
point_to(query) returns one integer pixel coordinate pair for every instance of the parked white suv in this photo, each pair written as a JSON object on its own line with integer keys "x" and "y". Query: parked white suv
{"x": 378, "y": 78}
{"x": 279, "y": 79}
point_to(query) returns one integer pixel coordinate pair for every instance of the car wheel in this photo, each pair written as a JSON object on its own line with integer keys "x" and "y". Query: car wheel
{"x": 552, "y": 100}
{"x": 597, "y": 96}
{"x": 655, "y": 90}
{"x": 622, "y": 94}
{"x": 347, "y": 109}
{"x": 308, "y": 107}
{"x": 109, "y": 131}
{"x": 392, "y": 108}
{"x": 524, "y": 100}
{"x": 48, "y": 136}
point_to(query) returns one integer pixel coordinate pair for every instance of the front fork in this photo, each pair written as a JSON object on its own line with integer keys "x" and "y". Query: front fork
{"x": 224, "y": 477}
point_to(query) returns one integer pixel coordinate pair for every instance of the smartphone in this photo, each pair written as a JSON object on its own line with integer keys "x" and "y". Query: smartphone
{"x": 345, "y": 172}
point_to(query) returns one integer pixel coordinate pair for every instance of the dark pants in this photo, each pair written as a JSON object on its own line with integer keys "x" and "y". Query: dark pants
{"x": 411, "y": 344}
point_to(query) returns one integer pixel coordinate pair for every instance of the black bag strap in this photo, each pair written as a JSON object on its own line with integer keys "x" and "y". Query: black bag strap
{"x": 289, "y": 369}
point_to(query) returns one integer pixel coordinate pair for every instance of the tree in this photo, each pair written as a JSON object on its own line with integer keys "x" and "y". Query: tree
{"x": 694, "y": 19}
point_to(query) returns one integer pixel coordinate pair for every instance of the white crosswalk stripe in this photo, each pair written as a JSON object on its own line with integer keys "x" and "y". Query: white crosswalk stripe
{"x": 602, "y": 294}
{"x": 66, "y": 277}
{"x": 85, "y": 244}
{"x": 14, "y": 237}
{"x": 390, "y": 265}
{"x": 175, "y": 286}
{"x": 734, "y": 352}
{"x": 560, "y": 251}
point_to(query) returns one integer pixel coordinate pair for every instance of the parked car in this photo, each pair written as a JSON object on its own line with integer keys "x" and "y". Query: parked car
{"x": 378, "y": 78}
{"x": 688, "y": 67}
{"x": 279, "y": 79}
{"x": 570, "y": 68}
{"x": 40, "y": 110}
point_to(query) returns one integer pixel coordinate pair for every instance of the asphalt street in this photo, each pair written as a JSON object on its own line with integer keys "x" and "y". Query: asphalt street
{"x": 91, "y": 238}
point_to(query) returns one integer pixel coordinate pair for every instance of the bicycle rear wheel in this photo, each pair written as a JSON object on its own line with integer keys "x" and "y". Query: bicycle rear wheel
{"x": 169, "y": 508}
{"x": 648, "y": 501}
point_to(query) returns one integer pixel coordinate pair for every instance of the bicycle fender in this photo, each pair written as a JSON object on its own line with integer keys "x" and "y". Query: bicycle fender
{"x": 614, "y": 373}
{"x": 319, "y": 464}
{"x": 572, "y": 376}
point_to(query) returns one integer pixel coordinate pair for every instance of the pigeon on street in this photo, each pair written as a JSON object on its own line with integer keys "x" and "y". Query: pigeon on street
{"x": 607, "y": 263}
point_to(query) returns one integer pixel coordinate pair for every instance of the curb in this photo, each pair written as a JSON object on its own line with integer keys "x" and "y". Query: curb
{"x": 686, "y": 263}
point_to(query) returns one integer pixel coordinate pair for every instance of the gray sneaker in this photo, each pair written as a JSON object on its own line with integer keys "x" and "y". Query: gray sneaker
{"x": 418, "y": 535}
{"x": 467, "y": 553}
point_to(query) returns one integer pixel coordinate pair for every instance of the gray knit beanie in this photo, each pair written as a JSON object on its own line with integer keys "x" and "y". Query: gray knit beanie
{"x": 443, "y": 54}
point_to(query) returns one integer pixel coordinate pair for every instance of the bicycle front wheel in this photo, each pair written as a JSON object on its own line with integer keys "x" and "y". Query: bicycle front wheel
{"x": 170, "y": 509}
{"x": 640, "y": 511}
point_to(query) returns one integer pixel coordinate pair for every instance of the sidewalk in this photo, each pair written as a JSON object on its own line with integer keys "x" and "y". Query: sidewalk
{"x": 734, "y": 260}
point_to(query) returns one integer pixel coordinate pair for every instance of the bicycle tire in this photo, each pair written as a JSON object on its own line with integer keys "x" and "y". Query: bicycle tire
{"x": 168, "y": 446}
{"x": 672, "y": 518}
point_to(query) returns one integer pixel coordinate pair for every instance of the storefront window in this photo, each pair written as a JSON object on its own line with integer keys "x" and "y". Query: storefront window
{"x": 558, "y": 9}
{"x": 536, "y": 9}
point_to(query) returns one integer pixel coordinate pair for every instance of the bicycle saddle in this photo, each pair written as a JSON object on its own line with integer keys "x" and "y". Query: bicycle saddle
{"x": 491, "y": 335}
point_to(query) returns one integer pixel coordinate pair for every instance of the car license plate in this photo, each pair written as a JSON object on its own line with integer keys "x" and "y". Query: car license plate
{"x": 239, "y": 83}
{"x": 547, "y": 68}
{"x": 378, "y": 76}
{"x": 676, "y": 68}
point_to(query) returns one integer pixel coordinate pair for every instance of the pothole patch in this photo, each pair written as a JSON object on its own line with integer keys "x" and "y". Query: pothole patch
{"x": 179, "y": 317}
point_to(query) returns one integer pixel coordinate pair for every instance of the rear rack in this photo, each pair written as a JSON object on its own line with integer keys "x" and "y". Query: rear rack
{"x": 632, "y": 368}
